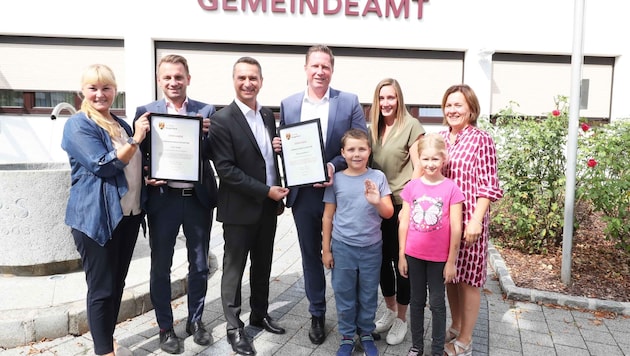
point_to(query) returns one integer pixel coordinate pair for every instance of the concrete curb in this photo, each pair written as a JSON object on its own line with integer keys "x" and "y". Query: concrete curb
{"x": 537, "y": 296}
{"x": 21, "y": 326}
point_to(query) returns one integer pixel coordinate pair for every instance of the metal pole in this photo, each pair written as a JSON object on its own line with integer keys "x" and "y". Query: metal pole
{"x": 574, "y": 118}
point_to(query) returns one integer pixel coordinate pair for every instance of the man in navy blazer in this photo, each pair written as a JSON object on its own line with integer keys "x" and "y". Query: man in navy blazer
{"x": 171, "y": 205}
{"x": 338, "y": 112}
{"x": 250, "y": 197}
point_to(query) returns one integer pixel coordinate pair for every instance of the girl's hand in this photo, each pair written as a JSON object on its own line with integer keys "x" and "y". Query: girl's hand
{"x": 402, "y": 267}
{"x": 450, "y": 272}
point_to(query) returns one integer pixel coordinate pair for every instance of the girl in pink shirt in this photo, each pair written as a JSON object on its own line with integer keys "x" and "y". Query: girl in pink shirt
{"x": 429, "y": 235}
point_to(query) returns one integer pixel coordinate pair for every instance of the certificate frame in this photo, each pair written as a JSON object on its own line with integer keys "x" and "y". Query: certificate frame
{"x": 175, "y": 147}
{"x": 303, "y": 154}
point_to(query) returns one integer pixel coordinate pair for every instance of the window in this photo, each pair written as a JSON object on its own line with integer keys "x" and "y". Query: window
{"x": 11, "y": 98}
{"x": 42, "y": 102}
{"x": 50, "y": 99}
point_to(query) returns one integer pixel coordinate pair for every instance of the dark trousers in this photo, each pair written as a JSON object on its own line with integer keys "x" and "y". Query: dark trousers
{"x": 308, "y": 210}
{"x": 422, "y": 274}
{"x": 392, "y": 283}
{"x": 164, "y": 227}
{"x": 255, "y": 240}
{"x": 105, "y": 269}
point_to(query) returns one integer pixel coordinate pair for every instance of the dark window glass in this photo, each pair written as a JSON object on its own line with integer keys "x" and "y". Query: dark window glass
{"x": 11, "y": 98}
{"x": 50, "y": 99}
{"x": 119, "y": 102}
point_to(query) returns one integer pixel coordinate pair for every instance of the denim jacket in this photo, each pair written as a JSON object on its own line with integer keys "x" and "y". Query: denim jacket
{"x": 98, "y": 179}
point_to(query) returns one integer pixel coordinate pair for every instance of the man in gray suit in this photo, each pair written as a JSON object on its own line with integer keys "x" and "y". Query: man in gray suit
{"x": 170, "y": 205}
{"x": 338, "y": 112}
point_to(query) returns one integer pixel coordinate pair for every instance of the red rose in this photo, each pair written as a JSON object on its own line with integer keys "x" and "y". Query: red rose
{"x": 555, "y": 112}
{"x": 585, "y": 127}
{"x": 591, "y": 163}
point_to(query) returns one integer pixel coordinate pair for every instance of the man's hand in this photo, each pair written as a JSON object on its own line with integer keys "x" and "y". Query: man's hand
{"x": 154, "y": 182}
{"x": 206, "y": 125}
{"x": 331, "y": 173}
{"x": 277, "y": 144}
{"x": 277, "y": 192}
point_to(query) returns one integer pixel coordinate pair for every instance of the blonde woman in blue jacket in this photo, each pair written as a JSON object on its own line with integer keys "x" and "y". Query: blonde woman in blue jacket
{"x": 104, "y": 206}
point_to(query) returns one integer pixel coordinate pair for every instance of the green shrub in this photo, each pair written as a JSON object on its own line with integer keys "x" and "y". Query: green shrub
{"x": 531, "y": 154}
{"x": 604, "y": 170}
{"x": 531, "y": 167}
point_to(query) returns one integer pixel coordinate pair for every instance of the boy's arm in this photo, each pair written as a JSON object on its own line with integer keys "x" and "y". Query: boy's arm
{"x": 327, "y": 226}
{"x": 450, "y": 270}
{"x": 403, "y": 228}
{"x": 383, "y": 204}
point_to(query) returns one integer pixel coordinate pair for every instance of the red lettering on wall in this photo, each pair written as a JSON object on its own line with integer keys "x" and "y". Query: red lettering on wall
{"x": 420, "y": 5}
{"x": 372, "y": 6}
{"x": 312, "y": 5}
{"x": 213, "y": 5}
{"x": 330, "y": 11}
{"x": 391, "y": 8}
{"x": 253, "y": 5}
{"x": 278, "y": 6}
{"x": 349, "y": 5}
{"x": 229, "y": 7}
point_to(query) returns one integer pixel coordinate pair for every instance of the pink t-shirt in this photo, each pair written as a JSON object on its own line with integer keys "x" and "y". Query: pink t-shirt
{"x": 429, "y": 233}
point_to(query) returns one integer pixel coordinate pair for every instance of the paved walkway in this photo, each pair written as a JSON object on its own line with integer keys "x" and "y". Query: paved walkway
{"x": 45, "y": 309}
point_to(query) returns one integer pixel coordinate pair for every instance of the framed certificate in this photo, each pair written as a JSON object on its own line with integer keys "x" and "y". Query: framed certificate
{"x": 175, "y": 147}
{"x": 303, "y": 154}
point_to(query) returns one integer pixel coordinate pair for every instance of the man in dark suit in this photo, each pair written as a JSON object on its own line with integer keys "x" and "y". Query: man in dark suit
{"x": 338, "y": 112}
{"x": 171, "y": 205}
{"x": 250, "y": 197}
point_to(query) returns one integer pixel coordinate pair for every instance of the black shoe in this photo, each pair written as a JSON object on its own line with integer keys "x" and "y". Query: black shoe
{"x": 317, "y": 333}
{"x": 169, "y": 342}
{"x": 268, "y": 324}
{"x": 240, "y": 343}
{"x": 198, "y": 332}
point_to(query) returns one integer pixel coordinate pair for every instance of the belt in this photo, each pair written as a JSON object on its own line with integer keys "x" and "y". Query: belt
{"x": 184, "y": 192}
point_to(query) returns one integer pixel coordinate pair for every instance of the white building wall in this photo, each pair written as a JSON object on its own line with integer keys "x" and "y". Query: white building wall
{"x": 475, "y": 27}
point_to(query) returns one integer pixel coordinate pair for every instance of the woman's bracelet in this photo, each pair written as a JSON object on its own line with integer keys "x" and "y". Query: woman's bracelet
{"x": 475, "y": 220}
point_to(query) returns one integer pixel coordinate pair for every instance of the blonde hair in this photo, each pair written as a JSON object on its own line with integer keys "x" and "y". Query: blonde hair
{"x": 433, "y": 140}
{"x": 376, "y": 117}
{"x": 173, "y": 59}
{"x": 99, "y": 74}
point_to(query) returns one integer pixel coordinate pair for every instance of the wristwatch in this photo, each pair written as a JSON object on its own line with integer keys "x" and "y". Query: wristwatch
{"x": 132, "y": 142}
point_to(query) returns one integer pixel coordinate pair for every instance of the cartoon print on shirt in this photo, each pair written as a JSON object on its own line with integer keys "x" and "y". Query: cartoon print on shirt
{"x": 426, "y": 219}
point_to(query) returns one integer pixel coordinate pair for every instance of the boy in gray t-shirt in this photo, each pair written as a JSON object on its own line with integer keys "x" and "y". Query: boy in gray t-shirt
{"x": 355, "y": 205}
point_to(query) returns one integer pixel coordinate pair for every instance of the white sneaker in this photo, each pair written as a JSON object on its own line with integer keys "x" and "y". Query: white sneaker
{"x": 385, "y": 322}
{"x": 397, "y": 333}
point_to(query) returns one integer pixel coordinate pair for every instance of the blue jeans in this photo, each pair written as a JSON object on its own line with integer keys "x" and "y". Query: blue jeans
{"x": 355, "y": 277}
{"x": 423, "y": 274}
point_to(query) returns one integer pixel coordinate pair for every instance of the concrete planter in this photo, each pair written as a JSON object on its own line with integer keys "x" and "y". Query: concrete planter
{"x": 34, "y": 239}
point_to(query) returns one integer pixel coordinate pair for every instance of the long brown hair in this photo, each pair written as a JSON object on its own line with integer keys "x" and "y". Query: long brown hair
{"x": 376, "y": 117}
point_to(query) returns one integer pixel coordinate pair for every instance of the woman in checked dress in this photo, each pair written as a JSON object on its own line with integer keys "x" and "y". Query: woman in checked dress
{"x": 473, "y": 167}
